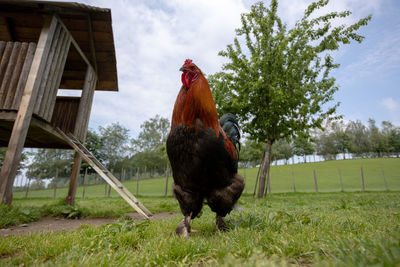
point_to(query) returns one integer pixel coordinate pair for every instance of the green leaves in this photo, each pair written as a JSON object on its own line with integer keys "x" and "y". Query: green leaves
{"x": 277, "y": 80}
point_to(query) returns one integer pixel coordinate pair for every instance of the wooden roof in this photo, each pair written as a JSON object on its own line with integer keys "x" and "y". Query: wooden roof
{"x": 21, "y": 21}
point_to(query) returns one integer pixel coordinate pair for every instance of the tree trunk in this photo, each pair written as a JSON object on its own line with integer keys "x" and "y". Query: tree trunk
{"x": 264, "y": 169}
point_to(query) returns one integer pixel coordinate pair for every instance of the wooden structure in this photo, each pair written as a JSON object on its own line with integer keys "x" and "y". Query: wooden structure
{"x": 44, "y": 47}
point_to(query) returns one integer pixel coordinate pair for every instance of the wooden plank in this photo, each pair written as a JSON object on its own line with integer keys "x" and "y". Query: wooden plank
{"x": 21, "y": 124}
{"x": 80, "y": 127}
{"x": 2, "y": 46}
{"x": 46, "y": 73}
{"x": 75, "y": 44}
{"x": 51, "y": 101}
{"x": 4, "y": 62}
{"x": 48, "y": 85}
{"x": 24, "y": 75}
{"x": 5, "y": 85}
{"x": 12, "y": 89}
{"x": 91, "y": 40}
{"x": 85, "y": 104}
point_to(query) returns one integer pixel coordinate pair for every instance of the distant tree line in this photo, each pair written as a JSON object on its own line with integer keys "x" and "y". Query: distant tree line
{"x": 338, "y": 137}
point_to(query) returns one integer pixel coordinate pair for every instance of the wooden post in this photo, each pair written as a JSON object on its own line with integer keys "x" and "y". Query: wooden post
{"x": 245, "y": 179}
{"x": 258, "y": 176}
{"x": 24, "y": 115}
{"x": 137, "y": 183}
{"x": 55, "y": 183}
{"x": 315, "y": 181}
{"x": 81, "y": 124}
{"x": 293, "y": 181}
{"x": 384, "y": 179}
{"x": 166, "y": 181}
{"x": 341, "y": 181}
{"x": 83, "y": 184}
{"x": 362, "y": 179}
{"x": 27, "y": 188}
{"x": 105, "y": 189}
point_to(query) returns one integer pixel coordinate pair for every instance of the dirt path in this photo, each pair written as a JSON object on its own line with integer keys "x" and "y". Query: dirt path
{"x": 54, "y": 224}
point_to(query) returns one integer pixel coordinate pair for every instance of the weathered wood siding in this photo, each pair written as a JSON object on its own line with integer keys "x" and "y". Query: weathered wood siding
{"x": 16, "y": 60}
{"x": 50, "y": 82}
{"x": 65, "y": 113}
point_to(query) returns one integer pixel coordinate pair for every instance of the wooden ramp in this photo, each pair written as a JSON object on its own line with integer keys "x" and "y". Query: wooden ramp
{"x": 106, "y": 174}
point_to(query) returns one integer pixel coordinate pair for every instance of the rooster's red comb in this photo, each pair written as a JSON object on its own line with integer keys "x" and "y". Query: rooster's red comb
{"x": 187, "y": 62}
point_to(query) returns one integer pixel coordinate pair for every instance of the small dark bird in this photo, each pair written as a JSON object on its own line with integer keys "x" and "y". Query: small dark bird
{"x": 203, "y": 152}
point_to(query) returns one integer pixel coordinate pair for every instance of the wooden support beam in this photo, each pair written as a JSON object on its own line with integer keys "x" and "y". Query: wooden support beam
{"x": 91, "y": 40}
{"x": 75, "y": 44}
{"x": 21, "y": 124}
{"x": 81, "y": 125}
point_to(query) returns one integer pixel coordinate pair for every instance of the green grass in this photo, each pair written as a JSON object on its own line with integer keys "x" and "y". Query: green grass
{"x": 281, "y": 179}
{"x": 324, "y": 229}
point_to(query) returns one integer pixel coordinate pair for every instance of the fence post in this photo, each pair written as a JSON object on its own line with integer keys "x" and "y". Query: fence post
{"x": 83, "y": 185}
{"x": 55, "y": 184}
{"x": 166, "y": 181}
{"x": 384, "y": 179}
{"x": 340, "y": 178}
{"x": 137, "y": 182}
{"x": 362, "y": 179}
{"x": 245, "y": 179}
{"x": 258, "y": 176}
{"x": 293, "y": 181}
{"x": 27, "y": 188}
{"x": 315, "y": 181}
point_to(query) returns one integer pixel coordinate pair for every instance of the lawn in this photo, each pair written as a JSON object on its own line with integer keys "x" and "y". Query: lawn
{"x": 322, "y": 229}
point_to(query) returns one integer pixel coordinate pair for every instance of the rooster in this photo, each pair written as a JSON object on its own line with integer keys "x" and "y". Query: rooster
{"x": 203, "y": 152}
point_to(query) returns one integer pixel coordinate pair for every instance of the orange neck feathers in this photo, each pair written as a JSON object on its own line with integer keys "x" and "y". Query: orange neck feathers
{"x": 196, "y": 104}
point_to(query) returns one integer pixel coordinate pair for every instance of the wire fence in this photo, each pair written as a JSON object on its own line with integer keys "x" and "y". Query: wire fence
{"x": 343, "y": 175}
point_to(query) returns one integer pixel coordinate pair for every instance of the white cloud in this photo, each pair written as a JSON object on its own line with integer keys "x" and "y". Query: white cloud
{"x": 153, "y": 38}
{"x": 390, "y": 104}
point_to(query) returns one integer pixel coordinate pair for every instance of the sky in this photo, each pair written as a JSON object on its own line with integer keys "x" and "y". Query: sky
{"x": 153, "y": 38}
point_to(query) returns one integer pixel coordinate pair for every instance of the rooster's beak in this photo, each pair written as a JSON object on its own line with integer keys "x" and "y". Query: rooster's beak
{"x": 182, "y": 69}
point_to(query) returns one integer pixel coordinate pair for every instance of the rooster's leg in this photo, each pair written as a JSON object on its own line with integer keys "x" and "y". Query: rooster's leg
{"x": 184, "y": 228}
{"x": 220, "y": 223}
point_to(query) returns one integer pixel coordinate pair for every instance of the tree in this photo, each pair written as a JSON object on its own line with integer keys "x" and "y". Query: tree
{"x": 359, "y": 139}
{"x": 379, "y": 143}
{"x": 154, "y": 133}
{"x": 149, "y": 147}
{"x": 114, "y": 139}
{"x": 250, "y": 153}
{"x": 326, "y": 145}
{"x": 342, "y": 139}
{"x": 302, "y": 146}
{"x": 282, "y": 150}
{"x": 46, "y": 161}
{"x": 278, "y": 85}
{"x": 94, "y": 143}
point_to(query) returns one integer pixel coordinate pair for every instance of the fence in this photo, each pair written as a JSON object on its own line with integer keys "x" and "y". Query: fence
{"x": 328, "y": 176}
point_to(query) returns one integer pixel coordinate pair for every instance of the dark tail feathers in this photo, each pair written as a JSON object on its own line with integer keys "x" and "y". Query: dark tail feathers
{"x": 230, "y": 126}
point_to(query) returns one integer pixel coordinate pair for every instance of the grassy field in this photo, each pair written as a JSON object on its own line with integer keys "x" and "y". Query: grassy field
{"x": 321, "y": 229}
{"x": 327, "y": 173}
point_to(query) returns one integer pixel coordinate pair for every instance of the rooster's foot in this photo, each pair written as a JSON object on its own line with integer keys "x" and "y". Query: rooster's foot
{"x": 183, "y": 228}
{"x": 220, "y": 223}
